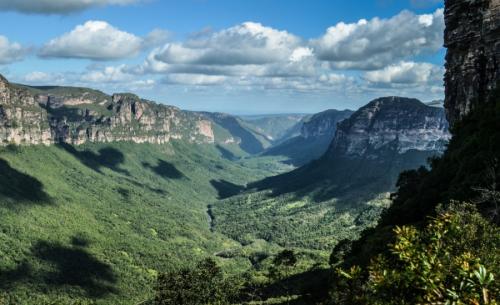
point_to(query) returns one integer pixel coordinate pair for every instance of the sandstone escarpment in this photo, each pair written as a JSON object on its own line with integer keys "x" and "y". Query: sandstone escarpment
{"x": 46, "y": 115}
{"x": 472, "y": 37}
{"x": 391, "y": 124}
{"x": 323, "y": 123}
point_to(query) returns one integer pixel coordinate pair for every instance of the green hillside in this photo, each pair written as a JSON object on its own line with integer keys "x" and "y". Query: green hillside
{"x": 299, "y": 150}
{"x": 317, "y": 205}
{"x": 100, "y": 221}
{"x": 237, "y": 134}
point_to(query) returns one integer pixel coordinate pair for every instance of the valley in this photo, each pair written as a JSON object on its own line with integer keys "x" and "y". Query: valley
{"x": 314, "y": 156}
{"x": 119, "y": 213}
{"x": 100, "y": 194}
{"x": 342, "y": 193}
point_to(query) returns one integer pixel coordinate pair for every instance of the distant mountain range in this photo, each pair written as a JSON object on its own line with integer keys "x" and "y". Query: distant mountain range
{"x": 314, "y": 136}
{"x": 172, "y": 180}
{"x": 276, "y": 127}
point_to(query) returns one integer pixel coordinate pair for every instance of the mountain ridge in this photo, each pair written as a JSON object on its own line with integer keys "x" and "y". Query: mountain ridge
{"x": 409, "y": 123}
{"x": 49, "y": 115}
{"x": 315, "y": 135}
{"x": 337, "y": 193}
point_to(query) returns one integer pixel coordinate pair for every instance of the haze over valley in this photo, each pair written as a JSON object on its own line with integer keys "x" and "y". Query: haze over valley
{"x": 320, "y": 161}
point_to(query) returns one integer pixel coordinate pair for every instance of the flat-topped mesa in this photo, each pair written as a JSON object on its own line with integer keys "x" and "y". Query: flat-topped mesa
{"x": 472, "y": 37}
{"x": 48, "y": 115}
{"x": 391, "y": 124}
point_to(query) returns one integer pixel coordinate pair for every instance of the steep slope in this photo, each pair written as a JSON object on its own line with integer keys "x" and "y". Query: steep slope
{"x": 342, "y": 193}
{"x": 316, "y": 134}
{"x": 99, "y": 221}
{"x": 424, "y": 233}
{"x": 99, "y": 193}
{"x": 47, "y": 115}
{"x": 468, "y": 171}
{"x": 235, "y": 132}
{"x": 470, "y": 162}
{"x": 473, "y": 56}
{"x": 395, "y": 123}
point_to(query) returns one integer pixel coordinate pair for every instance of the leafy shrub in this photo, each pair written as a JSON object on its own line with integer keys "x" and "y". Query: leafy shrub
{"x": 450, "y": 261}
{"x": 205, "y": 284}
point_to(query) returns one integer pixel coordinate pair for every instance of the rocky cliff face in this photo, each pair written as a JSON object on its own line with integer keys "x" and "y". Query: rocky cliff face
{"x": 235, "y": 131}
{"x": 391, "y": 124}
{"x": 323, "y": 123}
{"x": 472, "y": 37}
{"x": 45, "y": 115}
{"x": 314, "y": 138}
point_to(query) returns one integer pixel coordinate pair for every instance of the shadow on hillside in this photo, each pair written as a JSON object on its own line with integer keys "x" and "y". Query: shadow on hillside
{"x": 69, "y": 266}
{"x": 164, "y": 169}
{"x": 311, "y": 286}
{"x": 226, "y": 154}
{"x": 326, "y": 178}
{"x": 226, "y": 189}
{"x": 19, "y": 186}
{"x": 126, "y": 193}
{"x": 107, "y": 157}
{"x": 71, "y": 114}
{"x": 249, "y": 142}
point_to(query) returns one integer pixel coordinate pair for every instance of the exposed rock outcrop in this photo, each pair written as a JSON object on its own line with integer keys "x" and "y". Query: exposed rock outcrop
{"x": 472, "y": 37}
{"x": 316, "y": 134}
{"x": 32, "y": 115}
{"x": 237, "y": 132}
{"x": 391, "y": 124}
{"x": 323, "y": 123}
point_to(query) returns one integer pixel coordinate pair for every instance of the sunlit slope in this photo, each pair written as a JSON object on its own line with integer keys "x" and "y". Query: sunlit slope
{"x": 99, "y": 221}
{"x": 342, "y": 193}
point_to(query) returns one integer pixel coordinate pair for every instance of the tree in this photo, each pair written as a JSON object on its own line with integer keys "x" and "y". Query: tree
{"x": 450, "y": 261}
{"x": 205, "y": 284}
{"x": 339, "y": 251}
{"x": 282, "y": 268}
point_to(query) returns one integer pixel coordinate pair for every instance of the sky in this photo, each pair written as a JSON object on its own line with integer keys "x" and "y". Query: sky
{"x": 235, "y": 56}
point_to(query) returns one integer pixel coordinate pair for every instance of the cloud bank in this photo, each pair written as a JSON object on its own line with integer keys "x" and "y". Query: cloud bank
{"x": 378, "y": 42}
{"x": 377, "y": 55}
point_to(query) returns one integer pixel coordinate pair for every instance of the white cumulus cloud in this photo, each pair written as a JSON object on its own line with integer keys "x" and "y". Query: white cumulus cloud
{"x": 44, "y": 78}
{"x": 244, "y": 44}
{"x": 98, "y": 40}
{"x": 194, "y": 79}
{"x": 11, "y": 51}
{"x": 245, "y": 50}
{"x": 378, "y": 42}
{"x": 409, "y": 73}
{"x": 109, "y": 74}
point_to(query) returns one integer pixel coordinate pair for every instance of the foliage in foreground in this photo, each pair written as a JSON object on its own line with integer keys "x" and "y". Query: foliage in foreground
{"x": 451, "y": 261}
{"x": 204, "y": 284}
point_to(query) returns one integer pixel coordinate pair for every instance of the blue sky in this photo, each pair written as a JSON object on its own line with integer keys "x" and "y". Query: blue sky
{"x": 245, "y": 57}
